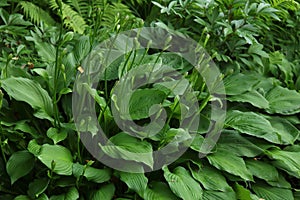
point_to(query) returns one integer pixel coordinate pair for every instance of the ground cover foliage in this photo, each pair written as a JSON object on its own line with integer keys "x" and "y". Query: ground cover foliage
{"x": 255, "y": 44}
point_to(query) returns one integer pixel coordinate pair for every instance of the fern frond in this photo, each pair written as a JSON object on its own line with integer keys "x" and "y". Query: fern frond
{"x": 71, "y": 18}
{"x": 81, "y": 6}
{"x": 36, "y": 14}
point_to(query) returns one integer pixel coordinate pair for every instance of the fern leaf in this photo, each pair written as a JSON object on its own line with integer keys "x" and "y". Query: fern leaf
{"x": 36, "y": 14}
{"x": 71, "y": 18}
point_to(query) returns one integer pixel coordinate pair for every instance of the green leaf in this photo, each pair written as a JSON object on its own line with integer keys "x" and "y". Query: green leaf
{"x": 135, "y": 181}
{"x": 239, "y": 83}
{"x": 215, "y": 195}
{"x": 272, "y": 193}
{"x": 237, "y": 144}
{"x": 283, "y": 101}
{"x": 158, "y": 191}
{"x": 142, "y": 100}
{"x": 225, "y": 160}
{"x": 253, "y": 97}
{"x": 22, "y": 197}
{"x": 288, "y": 133}
{"x": 287, "y": 161}
{"x": 252, "y": 124}
{"x": 262, "y": 170}
{"x": 211, "y": 179}
{"x": 29, "y": 91}
{"x": 97, "y": 175}
{"x": 182, "y": 184}
{"x": 58, "y": 156}
{"x": 242, "y": 193}
{"x": 106, "y": 192}
{"x": 72, "y": 194}
{"x": 37, "y": 187}
{"x": 129, "y": 148}
{"x": 19, "y": 164}
{"x": 34, "y": 147}
{"x": 56, "y": 135}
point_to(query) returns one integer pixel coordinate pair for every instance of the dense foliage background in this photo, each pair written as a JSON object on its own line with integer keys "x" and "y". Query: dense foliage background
{"x": 254, "y": 43}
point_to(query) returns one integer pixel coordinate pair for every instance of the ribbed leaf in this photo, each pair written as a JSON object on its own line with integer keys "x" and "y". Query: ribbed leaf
{"x": 129, "y": 148}
{"x": 225, "y": 160}
{"x": 252, "y": 124}
{"x": 106, "y": 192}
{"x": 135, "y": 181}
{"x": 272, "y": 193}
{"x": 29, "y": 91}
{"x": 19, "y": 164}
{"x": 283, "y": 101}
{"x": 182, "y": 184}
{"x": 57, "y": 156}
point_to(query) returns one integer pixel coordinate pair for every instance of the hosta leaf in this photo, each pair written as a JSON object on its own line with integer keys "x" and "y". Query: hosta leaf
{"x": 281, "y": 182}
{"x": 158, "y": 191}
{"x": 135, "y": 181}
{"x": 211, "y": 179}
{"x": 29, "y": 91}
{"x": 19, "y": 164}
{"x": 253, "y": 97}
{"x": 57, "y": 156}
{"x": 239, "y": 83}
{"x": 37, "y": 187}
{"x": 241, "y": 192}
{"x": 252, "y": 124}
{"x": 182, "y": 184}
{"x": 106, "y": 192}
{"x": 97, "y": 175}
{"x": 142, "y": 100}
{"x": 272, "y": 193}
{"x": 283, "y": 101}
{"x": 225, "y": 160}
{"x": 288, "y": 133}
{"x": 22, "y": 197}
{"x": 215, "y": 195}
{"x": 72, "y": 194}
{"x": 262, "y": 170}
{"x": 129, "y": 148}
{"x": 235, "y": 143}
{"x": 56, "y": 135}
{"x": 287, "y": 161}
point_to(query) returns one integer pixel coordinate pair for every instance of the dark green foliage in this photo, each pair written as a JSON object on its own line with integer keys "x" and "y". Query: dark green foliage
{"x": 254, "y": 43}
